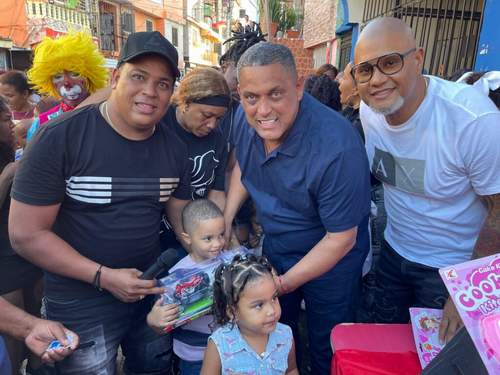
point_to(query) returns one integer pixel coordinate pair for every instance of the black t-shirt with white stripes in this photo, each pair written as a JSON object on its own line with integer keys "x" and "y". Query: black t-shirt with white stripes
{"x": 112, "y": 190}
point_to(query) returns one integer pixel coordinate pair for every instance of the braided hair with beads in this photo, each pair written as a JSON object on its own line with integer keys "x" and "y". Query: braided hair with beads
{"x": 230, "y": 281}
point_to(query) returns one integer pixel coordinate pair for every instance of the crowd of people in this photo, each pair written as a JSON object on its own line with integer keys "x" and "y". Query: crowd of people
{"x": 99, "y": 178}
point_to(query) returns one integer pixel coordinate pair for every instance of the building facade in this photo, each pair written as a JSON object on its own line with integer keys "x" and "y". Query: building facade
{"x": 176, "y": 28}
{"x": 455, "y": 34}
{"x": 23, "y": 24}
{"x": 197, "y": 28}
{"x": 319, "y": 30}
{"x": 205, "y": 40}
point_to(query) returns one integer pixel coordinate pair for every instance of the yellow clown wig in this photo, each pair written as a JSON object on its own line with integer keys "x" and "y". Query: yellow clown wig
{"x": 74, "y": 52}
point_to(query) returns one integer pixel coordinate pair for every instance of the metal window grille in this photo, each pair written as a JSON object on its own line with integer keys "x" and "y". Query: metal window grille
{"x": 149, "y": 25}
{"x": 175, "y": 36}
{"x": 127, "y": 22}
{"x": 345, "y": 50}
{"x": 218, "y": 48}
{"x": 107, "y": 22}
{"x": 448, "y": 30}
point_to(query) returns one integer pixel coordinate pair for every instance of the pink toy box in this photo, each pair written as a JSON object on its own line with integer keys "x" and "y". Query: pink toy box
{"x": 475, "y": 289}
{"x": 425, "y": 326}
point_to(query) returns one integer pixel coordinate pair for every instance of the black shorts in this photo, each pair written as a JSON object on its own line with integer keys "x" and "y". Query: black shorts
{"x": 17, "y": 273}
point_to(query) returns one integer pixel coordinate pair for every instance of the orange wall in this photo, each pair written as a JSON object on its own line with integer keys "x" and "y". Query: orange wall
{"x": 13, "y": 22}
{"x": 174, "y": 12}
{"x": 159, "y": 25}
{"x": 140, "y": 22}
{"x": 148, "y": 8}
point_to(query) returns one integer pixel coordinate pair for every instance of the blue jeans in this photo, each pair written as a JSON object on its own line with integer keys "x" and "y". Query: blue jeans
{"x": 401, "y": 284}
{"x": 110, "y": 323}
{"x": 190, "y": 368}
{"x": 330, "y": 299}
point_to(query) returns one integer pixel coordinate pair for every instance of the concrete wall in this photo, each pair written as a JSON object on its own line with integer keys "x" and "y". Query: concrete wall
{"x": 319, "y": 22}
{"x": 13, "y": 22}
{"x": 174, "y": 11}
{"x": 180, "y": 38}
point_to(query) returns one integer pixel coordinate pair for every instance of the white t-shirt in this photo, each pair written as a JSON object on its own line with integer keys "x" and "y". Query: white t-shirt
{"x": 433, "y": 168}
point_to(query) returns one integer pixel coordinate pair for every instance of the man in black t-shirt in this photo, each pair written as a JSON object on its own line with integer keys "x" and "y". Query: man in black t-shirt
{"x": 86, "y": 207}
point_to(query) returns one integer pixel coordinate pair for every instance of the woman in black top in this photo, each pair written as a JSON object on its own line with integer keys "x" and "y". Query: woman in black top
{"x": 325, "y": 90}
{"x": 201, "y": 99}
{"x": 18, "y": 278}
{"x": 350, "y": 99}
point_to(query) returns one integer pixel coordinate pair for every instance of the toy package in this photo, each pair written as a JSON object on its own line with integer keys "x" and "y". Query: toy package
{"x": 475, "y": 289}
{"x": 425, "y": 326}
{"x": 192, "y": 289}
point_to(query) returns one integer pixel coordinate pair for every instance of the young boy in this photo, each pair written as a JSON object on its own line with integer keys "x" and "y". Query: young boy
{"x": 203, "y": 224}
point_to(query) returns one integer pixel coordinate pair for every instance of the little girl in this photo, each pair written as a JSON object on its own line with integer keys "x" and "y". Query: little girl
{"x": 250, "y": 339}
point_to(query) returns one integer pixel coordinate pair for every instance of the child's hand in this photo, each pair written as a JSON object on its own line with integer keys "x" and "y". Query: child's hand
{"x": 162, "y": 316}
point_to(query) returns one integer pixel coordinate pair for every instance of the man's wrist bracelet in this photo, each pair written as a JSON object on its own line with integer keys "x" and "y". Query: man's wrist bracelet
{"x": 97, "y": 278}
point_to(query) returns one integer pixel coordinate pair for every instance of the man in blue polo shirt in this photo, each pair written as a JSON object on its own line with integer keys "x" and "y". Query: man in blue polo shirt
{"x": 307, "y": 172}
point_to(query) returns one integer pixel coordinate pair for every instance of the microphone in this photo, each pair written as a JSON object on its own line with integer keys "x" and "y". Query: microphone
{"x": 165, "y": 261}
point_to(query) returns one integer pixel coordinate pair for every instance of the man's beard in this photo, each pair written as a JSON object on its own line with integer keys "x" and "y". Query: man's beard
{"x": 393, "y": 108}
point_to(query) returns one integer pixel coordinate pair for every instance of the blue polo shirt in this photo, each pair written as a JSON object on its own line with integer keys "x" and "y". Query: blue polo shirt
{"x": 5, "y": 367}
{"x": 316, "y": 180}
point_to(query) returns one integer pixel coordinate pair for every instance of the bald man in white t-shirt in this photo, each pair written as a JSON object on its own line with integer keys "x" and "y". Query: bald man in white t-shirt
{"x": 434, "y": 145}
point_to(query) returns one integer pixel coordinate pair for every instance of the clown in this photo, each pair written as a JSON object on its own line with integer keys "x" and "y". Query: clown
{"x": 69, "y": 68}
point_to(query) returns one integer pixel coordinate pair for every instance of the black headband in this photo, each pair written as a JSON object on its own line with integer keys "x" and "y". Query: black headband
{"x": 215, "y": 100}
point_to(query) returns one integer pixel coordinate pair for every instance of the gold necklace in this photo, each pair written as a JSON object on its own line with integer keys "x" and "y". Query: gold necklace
{"x": 107, "y": 118}
{"x": 104, "y": 111}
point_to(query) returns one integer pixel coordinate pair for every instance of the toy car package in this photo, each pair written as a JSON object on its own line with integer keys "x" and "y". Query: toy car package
{"x": 192, "y": 288}
{"x": 475, "y": 289}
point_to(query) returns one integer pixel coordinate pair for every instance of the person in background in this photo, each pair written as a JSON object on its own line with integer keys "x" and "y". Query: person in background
{"x": 20, "y": 281}
{"x": 327, "y": 69}
{"x": 37, "y": 335}
{"x": 487, "y": 82}
{"x": 46, "y": 103}
{"x": 21, "y": 131}
{"x": 69, "y": 68}
{"x": 325, "y": 90}
{"x": 351, "y": 101}
{"x": 199, "y": 102}
{"x": 349, "y": 97}
{"x": 15, "y": 89}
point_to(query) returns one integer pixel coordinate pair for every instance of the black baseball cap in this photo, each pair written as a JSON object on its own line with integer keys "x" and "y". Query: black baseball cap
{"x": 148, "y": 42}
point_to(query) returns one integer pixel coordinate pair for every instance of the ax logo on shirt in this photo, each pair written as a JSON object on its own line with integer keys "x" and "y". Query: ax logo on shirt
{"x": 403, "y": 173}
